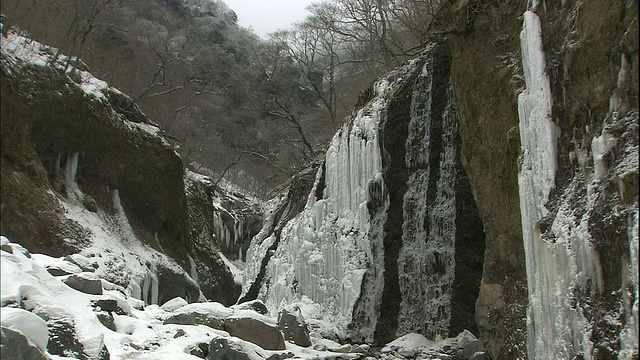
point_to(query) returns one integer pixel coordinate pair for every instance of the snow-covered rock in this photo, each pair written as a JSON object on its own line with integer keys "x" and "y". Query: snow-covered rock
{"x": 86, "y": 282}
{"x": 26, "y": 323}
{"x": 293, "y": 327}
{"x": 14, "y": 345}
{"x": 174, "y": 304}
{"x": 123, "y": 213}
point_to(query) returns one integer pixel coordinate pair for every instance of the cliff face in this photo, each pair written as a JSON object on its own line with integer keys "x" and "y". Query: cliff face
{"x": 389, "y": 241}
{"x": 518, "y": 134}
{"x": 81, "y": 164}
{"x": 575, "y": 66}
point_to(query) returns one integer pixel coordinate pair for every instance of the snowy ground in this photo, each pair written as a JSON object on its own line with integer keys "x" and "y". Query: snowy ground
{"x": 31, "y": 296}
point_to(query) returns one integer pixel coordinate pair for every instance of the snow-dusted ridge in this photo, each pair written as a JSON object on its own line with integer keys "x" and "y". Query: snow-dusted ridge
{"x": 19, "y": 51}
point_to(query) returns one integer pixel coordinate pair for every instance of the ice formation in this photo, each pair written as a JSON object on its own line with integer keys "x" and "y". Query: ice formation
{"x": 335, "y": 252}
{"x": 327, "y": 251}
{"x": 560, "y": 257}
{"x": 233, "y": 221}
{"x": 427, "y": 264}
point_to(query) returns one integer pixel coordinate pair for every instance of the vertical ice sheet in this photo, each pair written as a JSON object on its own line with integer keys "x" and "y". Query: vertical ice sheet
{"x": 559, "y": 260}
{"x": 325, "y": 251}
{"x": 426, "y": 261}
{"x": 629, "y": 334}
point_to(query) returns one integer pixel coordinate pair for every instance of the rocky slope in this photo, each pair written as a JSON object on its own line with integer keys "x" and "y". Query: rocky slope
{"x": 48, "y": 314}
{"x": 85, "y": 172}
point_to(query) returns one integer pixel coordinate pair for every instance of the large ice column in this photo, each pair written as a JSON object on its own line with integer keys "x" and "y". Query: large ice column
{"x": 629, "y": 334}
{"x": 426, "y": 261}
{"x": 325, "y": 251}
{"x": 560, "y": 259}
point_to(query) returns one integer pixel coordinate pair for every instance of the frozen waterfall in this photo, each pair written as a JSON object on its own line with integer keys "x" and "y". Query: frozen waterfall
{"x": 560, "y": 258}
{"x": 426, "y": 260}
{"x": 326, "y": 250}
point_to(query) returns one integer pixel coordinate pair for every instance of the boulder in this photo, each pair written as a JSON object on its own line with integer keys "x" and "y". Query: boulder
{"x": 255, "y": 305}
{"x": 200, "y": 350}
{"x": 209, "y": 314}
{"x": 294, "y": 328}
{"x": 26, "y": 323}
{"x": 82, "y": 261}
{"x": 222, "y": 348}
{"x": 480, "y": 355}
{"x": 195, "y": 319}
{"x": 85, "y": 282}
{"x": 471, "y": 348}
{"x": 13, "y": 248}
{"x": 233, "y": 349}
{"x": 14, "y": 345}
{"x": 108, "y": 305}
{"x": 64, "y": 341}
{"x": 106, "y": 319}
{"x": 57, "y": 271}
{"x": 255, "y": 331}
{"x": 174, "y": 304}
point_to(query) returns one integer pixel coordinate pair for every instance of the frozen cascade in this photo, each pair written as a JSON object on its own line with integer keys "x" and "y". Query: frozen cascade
{"x": 555, "y": 267}
{"x": 326, "y": 250}
{"x": 193, "y": 272}
{"x": 629, "y": 334}
{"x": 232, "y": 238}
{"x": 426, "y": 260}
{"x": 144, "y": 287}
{"x": 70, "y": 171}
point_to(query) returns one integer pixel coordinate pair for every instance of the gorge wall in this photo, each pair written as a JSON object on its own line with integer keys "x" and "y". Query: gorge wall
{"x": 518, "y": 133}
{"x": 544, "y": 152}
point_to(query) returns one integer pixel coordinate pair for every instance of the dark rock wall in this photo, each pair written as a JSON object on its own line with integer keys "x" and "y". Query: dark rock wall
{"x": 214, "y": 279}
{"x": 486, "y": 74}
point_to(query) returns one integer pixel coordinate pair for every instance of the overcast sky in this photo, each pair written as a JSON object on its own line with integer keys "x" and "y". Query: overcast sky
{"x": 266, "y": 16}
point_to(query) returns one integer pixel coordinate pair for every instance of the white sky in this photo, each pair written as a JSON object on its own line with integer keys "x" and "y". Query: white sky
{"x": 266, "y": 16}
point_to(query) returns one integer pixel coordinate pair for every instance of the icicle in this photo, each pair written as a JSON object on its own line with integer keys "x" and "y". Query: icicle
{"x": 70, "y": 172}
{"x": 117, "y": 205}
{"x": 153, "y": 299}
{"x": 193, "y": 271}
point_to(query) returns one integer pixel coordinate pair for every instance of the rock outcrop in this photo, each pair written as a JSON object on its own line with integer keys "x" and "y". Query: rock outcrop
{"x": 389, "y": 240}
{"x": 82, "y": 164}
